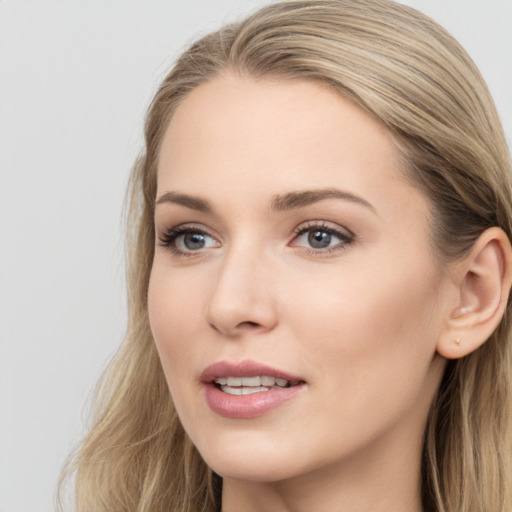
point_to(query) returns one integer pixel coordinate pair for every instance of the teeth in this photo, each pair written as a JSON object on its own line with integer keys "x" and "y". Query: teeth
{"x": 248, "y": 391}
{"x": 231, "y": 391}
{"x": 234, "y": 381}
{"x": 243, "y": 391}
{"x": 254, "y": 381}
{"x": 251, "y": 381}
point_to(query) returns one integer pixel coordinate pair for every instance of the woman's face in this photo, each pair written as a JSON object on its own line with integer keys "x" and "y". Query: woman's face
{"x": 289, "y": 246}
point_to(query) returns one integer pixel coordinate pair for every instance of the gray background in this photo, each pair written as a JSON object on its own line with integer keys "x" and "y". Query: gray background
{"x": 75, "y": 79}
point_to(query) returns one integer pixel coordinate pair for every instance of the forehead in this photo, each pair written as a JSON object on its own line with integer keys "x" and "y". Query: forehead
{"x": 273, "y": 136}
{"x": 282, "y": 111}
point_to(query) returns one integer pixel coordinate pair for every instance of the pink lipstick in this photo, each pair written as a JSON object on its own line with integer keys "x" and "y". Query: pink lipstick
{"x": 247, "y": 389}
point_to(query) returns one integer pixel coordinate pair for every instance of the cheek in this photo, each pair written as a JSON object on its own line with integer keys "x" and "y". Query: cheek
{"x": 174, "y": 315}
{"x": 373, "y": 327}
{"x": 368, "y": 346}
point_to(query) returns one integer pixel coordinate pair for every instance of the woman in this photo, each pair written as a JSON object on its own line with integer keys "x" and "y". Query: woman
{"x": 319, "y": 272}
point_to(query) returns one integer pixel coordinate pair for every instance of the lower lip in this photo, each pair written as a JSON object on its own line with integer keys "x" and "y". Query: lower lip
{"x": 248, "y": 406}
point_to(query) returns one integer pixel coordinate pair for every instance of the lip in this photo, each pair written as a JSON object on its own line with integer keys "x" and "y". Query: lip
{"x": 245, "y": 368}
{"x": 246, "y": 406}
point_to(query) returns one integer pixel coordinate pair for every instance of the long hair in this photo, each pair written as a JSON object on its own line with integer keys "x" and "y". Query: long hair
{"x": 406, "y": 71}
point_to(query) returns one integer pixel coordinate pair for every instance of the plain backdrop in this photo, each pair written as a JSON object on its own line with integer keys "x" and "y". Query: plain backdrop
{"x": 75, "y": 79}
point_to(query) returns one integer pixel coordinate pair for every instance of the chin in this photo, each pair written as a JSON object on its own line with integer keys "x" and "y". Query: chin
{"x": 250, "y": 460}
{"x": 248, "y": 472}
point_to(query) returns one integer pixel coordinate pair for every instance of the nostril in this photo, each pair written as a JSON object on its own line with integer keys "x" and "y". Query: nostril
{"x": 248, "y": 324}
{"x": 239, "y": 328}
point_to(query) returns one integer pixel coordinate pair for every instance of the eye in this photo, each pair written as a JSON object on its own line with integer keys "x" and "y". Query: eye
{"x": 185, "y": 240}
{"x": 321, "y": 238}
{"x": 193, "y": 241}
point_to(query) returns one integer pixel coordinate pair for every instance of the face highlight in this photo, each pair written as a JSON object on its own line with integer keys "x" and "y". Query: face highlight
{"x": 294, "y": 297}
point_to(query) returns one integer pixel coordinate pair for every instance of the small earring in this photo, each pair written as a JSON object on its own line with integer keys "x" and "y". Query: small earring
{"x": 457, "y": 342}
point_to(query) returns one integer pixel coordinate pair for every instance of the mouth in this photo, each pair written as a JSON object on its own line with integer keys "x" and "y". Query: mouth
{"x": 252, "y": 384}
{"x": 248, "y": 389}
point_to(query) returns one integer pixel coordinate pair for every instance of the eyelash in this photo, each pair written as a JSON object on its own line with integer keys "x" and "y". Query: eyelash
{"x": 168, "y": 237}
{"x": 346, "y": 237}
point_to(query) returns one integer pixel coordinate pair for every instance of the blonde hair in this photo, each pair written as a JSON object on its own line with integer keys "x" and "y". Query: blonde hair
{"x": 405, "y": 70}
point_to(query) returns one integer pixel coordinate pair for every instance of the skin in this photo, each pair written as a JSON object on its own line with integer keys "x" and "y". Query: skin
{"x": 359, "y": 320}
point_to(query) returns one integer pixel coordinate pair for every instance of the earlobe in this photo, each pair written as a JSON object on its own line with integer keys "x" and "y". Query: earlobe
{"x": 483, "y": 280}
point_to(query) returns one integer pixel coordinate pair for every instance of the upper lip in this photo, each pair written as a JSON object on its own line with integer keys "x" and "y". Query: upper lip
{"x": 245, "y": 368}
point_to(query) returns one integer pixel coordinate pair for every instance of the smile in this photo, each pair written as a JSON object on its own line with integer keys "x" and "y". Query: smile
{"x": 247, "y": 389}
{"x": 249, "y": 385}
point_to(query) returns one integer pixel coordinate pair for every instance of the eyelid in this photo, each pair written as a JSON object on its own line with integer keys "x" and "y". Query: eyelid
{"x": 345, "y": 235}
{"x": 322, "y": 224}
{"x": 168, "y": 236}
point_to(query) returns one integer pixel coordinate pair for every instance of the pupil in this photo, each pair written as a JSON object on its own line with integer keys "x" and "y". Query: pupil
{"x": 319, "y": 239}
{"x": 194, "y": 241}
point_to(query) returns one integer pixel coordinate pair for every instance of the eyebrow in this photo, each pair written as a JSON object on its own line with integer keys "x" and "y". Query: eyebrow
{"x": 194, "y": 203}
{"x": 300, "y": 199}
{"x": 289, "y": 201}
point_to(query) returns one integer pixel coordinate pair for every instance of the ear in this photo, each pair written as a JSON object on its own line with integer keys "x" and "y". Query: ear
{"x": 482, "y": 280}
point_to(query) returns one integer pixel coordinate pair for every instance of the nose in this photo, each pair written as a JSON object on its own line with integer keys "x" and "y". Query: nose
{"x": 243, "y": 299}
